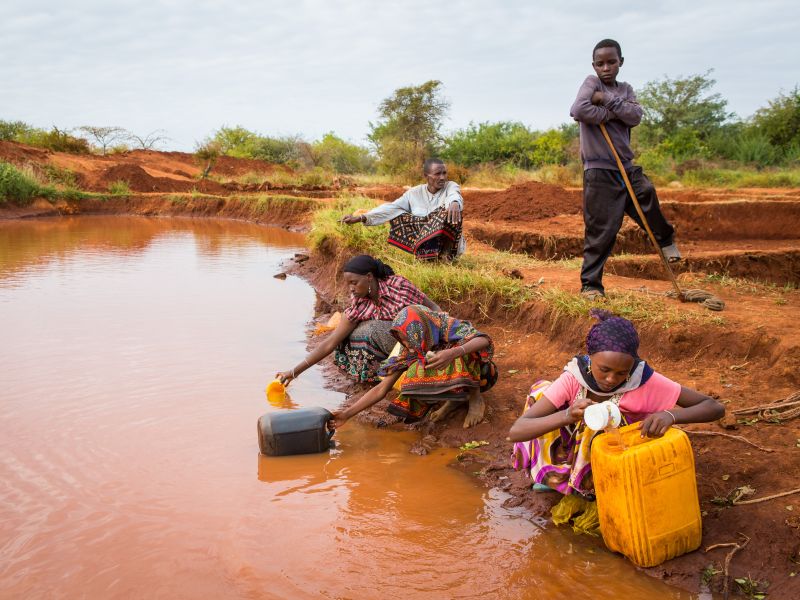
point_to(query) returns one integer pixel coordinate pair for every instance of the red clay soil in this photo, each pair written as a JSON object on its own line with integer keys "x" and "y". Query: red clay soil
{"x": 20, "y": 154}
{"x": 139, "y": 180}
{"x": 524, "y": 202}
{"x": 749, "y": 360}
{"x": 387, "y": 193}
{"x": 143, "y": 170}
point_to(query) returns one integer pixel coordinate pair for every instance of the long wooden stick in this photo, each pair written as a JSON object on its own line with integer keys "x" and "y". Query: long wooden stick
{"x": 791, "y": 400}
{"x": 727, "y": 435}
{"x": 641, "y": 214}
{"x": 758, "y": 409}
{"x": 765, "y": 498}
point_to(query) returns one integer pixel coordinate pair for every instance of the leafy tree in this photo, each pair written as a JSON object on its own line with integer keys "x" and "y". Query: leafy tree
{"x": 243, "y": 143}
{"x": 208, "y": 152}
{"x": 780, "y": 120}
{"x": 508, "y": 143}
{"x": 408, "y": 127}
{"x": 104, "y": 137}
{"x": 12, "y": 131}
{"x": 283, "y": 150}
{"x": 502, "y": 142}
{"x": 673, "y": 106}
{"x": 235, "y": 141}
{"x": 58, "y": 140}
{"x": 549, "y": 148}
{"x": 335, "y": 154}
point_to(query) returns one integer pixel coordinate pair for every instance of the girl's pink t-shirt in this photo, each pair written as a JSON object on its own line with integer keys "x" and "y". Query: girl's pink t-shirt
{"x": 658, "y": 393}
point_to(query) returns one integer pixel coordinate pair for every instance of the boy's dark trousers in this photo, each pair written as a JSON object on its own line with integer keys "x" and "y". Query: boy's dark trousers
{"x": 605, "y": 202}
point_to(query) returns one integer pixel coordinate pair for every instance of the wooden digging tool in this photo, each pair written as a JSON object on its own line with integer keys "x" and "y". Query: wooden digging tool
{"x": 622, "y": 172}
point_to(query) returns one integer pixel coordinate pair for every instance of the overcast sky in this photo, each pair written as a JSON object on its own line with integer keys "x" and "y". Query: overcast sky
{"x": 308, "y": 67}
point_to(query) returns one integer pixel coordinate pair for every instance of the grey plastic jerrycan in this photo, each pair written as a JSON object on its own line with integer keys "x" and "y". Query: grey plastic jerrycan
{"x": 302, "y": 431}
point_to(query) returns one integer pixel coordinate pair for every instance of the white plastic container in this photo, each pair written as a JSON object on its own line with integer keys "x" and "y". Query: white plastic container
{"x": 602, "y": 415}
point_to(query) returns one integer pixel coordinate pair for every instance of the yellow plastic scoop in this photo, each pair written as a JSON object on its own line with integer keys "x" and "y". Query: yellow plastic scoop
{"x": 276, "y": 392}
{"x": 278, "y": 397}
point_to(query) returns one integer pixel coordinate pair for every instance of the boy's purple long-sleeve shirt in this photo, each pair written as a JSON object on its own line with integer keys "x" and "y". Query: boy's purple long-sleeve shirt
{"x": 619, "y": 112}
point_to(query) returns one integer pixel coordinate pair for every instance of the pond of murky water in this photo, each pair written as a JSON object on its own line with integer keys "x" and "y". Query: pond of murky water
{"x": 134, "y": 353}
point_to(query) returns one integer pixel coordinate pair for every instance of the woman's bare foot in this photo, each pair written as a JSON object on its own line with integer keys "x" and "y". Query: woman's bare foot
{"x": 443, "y": 411}
{"x": 477, "y": 409}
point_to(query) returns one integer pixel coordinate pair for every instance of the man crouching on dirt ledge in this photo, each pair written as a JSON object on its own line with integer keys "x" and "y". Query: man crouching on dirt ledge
{"x": 604, "y": 100}
{"x": 426, "y": 220}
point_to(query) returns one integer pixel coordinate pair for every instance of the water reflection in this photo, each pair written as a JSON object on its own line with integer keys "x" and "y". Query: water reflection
{"x": 26, "y": 243}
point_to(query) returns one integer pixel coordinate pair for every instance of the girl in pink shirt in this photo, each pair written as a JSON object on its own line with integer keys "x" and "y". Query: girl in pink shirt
{"x": 552, "y": 439}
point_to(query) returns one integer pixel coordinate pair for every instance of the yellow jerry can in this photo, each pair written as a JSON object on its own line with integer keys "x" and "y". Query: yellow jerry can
{"x": 646, "y": 494}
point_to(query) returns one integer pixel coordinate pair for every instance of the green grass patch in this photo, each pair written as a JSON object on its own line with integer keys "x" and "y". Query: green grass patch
{"x": 737, "y": 178}
{"x": 16, "y": 186}
{"x": 469, "y": 279}
{"x": 119, "y": 188}
{"x": 21, "y": 185}
{"x": 198, "y": 195}
{"x": 60, "y": 177}
{"x": 637, "y": 307}
{"x": 283, "y": 203}
{"x": 177, "y": 199}
{"x": 753, "y": 287}
{"x": 73, "y": 194}
{"x": 325, "y": 226}
{"x": 482, "y": 279}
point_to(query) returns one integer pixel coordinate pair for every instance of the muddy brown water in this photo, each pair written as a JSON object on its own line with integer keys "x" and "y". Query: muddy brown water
{"x": 134, "y": 358}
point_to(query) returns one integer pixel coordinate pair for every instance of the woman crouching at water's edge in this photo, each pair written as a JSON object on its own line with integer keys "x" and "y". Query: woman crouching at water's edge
{"x": 362, "y": 339}
{"x": 443, "y": 360}
{"x": 552, "y": 439}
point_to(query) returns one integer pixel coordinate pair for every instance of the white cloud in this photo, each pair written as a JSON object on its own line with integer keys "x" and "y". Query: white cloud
{"x": 314, "y": 66}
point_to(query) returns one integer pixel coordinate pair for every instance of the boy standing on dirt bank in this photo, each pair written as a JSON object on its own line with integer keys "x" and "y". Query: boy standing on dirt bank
{"x": 603, "y": 99}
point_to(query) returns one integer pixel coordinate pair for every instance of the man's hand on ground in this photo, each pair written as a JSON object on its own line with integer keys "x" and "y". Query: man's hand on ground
{"x": 352, "y": 219}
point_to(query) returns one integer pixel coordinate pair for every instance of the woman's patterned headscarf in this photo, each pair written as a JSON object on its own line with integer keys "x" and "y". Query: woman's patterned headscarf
{"x": 427, "y": 330}
{"x": 610, "y": 334}
{"x": 613, "y": 334}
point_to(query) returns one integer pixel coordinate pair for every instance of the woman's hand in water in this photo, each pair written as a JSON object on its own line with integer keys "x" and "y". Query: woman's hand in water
{"x": 577, "y": 408}
{"x": 442, "y": 358}
{"x": 656, "y": 424}
{"x": 338, "y": 420}
{"x": 284, "y": 377}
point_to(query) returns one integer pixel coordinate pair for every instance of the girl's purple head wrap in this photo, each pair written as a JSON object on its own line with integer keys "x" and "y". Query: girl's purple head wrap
{"x": 612, "y": 334}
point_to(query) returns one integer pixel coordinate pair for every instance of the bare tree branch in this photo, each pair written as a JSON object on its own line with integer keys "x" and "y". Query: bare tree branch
{"x": 149, "y": 141}
{"x": 105, "y": 136}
